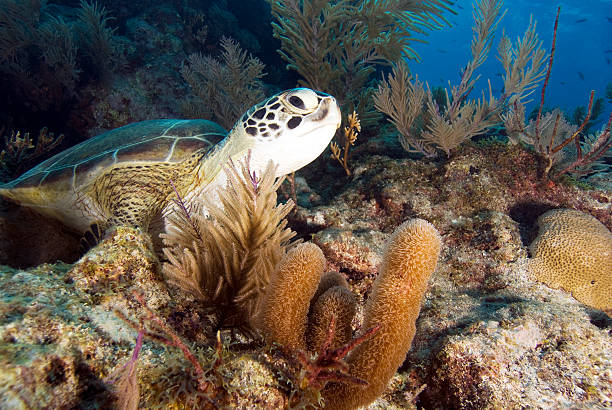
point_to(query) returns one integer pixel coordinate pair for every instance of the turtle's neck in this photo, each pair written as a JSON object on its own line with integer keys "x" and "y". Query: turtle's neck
{"x": 209, "y": 172}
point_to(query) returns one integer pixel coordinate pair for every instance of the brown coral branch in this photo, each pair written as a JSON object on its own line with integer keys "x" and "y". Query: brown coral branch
{"x": 576, "y": 135}
{"x": 185, "y": 213}
{"x": 598, "y": 149}
{"x": 350, "y": 136}
{"x": 328, "y": 364}
{"x": 550, "y": 63}
{"x": 20, "y": 152}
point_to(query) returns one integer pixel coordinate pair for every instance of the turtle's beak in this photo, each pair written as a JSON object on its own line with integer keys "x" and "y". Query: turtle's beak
{"x": 328, "y": 112}
{"x": 338, "y": 114}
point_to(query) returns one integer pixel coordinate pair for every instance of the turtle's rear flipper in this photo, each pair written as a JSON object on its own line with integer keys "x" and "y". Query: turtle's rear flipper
{"x": 28, "y": 238}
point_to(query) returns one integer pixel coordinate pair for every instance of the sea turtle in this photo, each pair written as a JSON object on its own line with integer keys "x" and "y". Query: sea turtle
{"x": 129, "y": 175}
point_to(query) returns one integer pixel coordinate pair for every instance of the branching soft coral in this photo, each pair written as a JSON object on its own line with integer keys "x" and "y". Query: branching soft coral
{"x": 427, "y": 127}
{"x": 225, "y": 260}
{"x": 552, "y": 136}
{"x": 42, "y": 56}
{"x": 228, "y": 87}
{"x": 19, "y": 151}
{"x": 336, "y": 46}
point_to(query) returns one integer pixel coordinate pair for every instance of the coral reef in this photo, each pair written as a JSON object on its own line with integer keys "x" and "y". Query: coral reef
{"x": 57, "y": 328}
{"x": 573, "y": 251}
{"x": 470, "y": 345}
{"x": 284, "y": 312}
{"x": 336, "y": 46}
{"x": 351, "y": 131}
{"x": 226, "y": 88}
{"x": 45, "y": 58}
{"x": 489, "y": 334}
{"x": 486, "y": 328}
{"x": 332, "y": 301}
{"x": 19, "y": 153}
{"x": 409, "y": 259}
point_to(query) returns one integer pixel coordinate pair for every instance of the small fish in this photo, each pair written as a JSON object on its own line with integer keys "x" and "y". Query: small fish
{"x": 580, "y": 75}
{"x": 608, "y": 51}
{"x": 441, "y": 50}
{"x": 499, "y": 74}
{"x": 608, "y": 61}
{"x": 580, "y": 21}
{"x": 609, "y": 19}
{"x": 562, "y": 82}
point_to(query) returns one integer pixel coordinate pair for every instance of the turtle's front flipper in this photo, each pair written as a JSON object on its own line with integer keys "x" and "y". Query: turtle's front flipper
{"x": 91, "y": 237}
{"x": 132, "y": 194}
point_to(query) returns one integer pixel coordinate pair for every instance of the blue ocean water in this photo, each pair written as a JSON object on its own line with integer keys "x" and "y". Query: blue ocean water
{"x": 582, "y": 61}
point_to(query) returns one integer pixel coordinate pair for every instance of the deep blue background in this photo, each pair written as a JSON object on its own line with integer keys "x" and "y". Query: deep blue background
{"x": 581, "y": 61}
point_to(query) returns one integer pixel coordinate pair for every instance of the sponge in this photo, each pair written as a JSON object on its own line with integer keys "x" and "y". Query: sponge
{"x": 284, "y": 312}
{"x": 409, "y": 259}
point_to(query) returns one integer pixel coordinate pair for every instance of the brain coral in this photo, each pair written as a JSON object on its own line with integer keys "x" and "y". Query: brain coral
{"x": 573, "y": 251}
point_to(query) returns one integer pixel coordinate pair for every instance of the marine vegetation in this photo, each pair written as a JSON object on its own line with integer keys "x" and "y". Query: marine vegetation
{"x": 573, "y": 251}
{"x": 410, "y": 257}
{"x": 21, "y": 152}
{"x": 225, "y": 259}
{"x": 45, "y": 58}
{"x": 226, "y": 87}
{"x": 351, "y": 131}
{"x": 336, "y": 46}
{"x": 428, "y": 127}
{"x": 551, "y": 136}
{"x": 563, "y": 146}
{"x": 255, "y": 280}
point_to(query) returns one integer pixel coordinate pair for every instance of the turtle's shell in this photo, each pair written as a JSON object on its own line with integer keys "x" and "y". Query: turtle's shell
{"x": 146, "y": 141}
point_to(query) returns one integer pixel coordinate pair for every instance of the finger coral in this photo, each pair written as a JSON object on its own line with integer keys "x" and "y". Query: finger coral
{"x": 573, "y": 251}
{"x": 287, "y": 298}
{"x": 410, "y": 257}
{"x": 335, "y": 301}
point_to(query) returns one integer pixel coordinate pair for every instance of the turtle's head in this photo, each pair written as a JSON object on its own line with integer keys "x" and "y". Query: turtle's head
{"x": 291, "y": 128}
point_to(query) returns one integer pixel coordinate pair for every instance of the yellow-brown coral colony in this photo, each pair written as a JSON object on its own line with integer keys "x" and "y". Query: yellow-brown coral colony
{"x": 408, "y": 261}
{"x": 288, "y": 295}
{"x": 573, "y": 251}
{"x": 332, "y": 299}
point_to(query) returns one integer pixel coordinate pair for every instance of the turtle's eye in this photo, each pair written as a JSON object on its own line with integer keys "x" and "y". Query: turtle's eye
{"x": 296, "y": 101}
{"x": 301, "y": 100}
